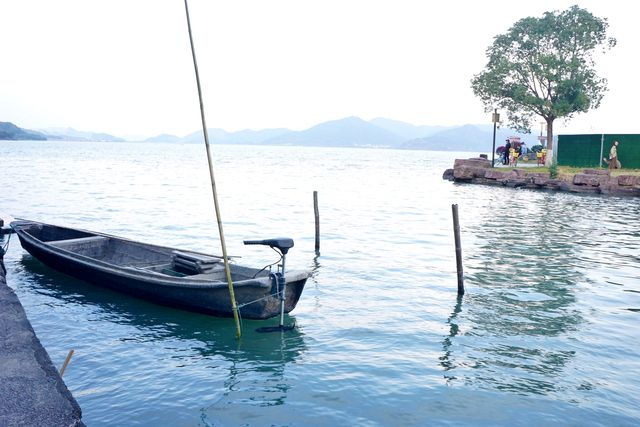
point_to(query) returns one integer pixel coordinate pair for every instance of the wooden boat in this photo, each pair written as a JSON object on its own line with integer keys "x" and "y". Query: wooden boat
{"x": 182, "y": 279}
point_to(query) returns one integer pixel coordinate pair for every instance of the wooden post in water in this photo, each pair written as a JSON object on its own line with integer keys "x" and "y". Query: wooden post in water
{"x": 317, "y": 216}
{"x": 456, "y": 234}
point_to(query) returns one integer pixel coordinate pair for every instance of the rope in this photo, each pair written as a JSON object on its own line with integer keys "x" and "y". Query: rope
{"x": 3, "y": 250}
{"x": 275, "y": 277}
{"x": 259, "y": 299}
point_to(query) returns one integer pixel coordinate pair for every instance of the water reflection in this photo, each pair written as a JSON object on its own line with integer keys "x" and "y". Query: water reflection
{"x": 526, "y": 276}
{"x": 255, "y": 364}
{"x": 315, "y": 267}
{"x": 205, "y": 334}
{"x": 445, "y": 361}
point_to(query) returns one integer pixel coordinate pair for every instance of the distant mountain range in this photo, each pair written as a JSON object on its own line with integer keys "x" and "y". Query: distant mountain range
{"x": 347, "y": 132}
{"x": 467, "y": 138}
{"x": 70, "y": 134}
{"x": 12, "y": 132}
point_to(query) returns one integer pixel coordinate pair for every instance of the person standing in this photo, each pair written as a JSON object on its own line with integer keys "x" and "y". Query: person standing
{"x": 517, "y": 149}
{"x": 507, "y": 151}
{"x": 613, "y": 156}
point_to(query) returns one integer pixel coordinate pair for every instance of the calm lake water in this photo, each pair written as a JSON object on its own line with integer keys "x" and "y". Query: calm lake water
{"x": 547, "y": 333}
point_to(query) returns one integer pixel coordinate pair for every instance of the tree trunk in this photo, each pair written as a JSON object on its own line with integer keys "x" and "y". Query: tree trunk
{"x": 549, "y": 159}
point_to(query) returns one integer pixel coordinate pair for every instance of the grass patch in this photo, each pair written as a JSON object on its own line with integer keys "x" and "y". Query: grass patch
{"x": 634, "y": 172}
{"x": 614, "y": 172}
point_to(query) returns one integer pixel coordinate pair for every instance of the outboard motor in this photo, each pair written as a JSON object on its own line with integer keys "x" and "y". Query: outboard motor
{"x": 281, "y": 245}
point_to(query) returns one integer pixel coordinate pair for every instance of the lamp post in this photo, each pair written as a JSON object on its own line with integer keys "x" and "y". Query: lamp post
{"x": 542, "y": 137}
{"x": 495, "y": 117}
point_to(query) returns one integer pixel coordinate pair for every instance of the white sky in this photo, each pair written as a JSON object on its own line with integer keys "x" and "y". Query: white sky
{"x": 124, "y": 66}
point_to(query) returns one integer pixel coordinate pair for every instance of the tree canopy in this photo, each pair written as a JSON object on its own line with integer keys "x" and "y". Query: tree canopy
{"x": 545, "y": 67}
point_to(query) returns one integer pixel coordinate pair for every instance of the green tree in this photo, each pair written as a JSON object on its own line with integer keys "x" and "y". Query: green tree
{"x": 545, "y": 67}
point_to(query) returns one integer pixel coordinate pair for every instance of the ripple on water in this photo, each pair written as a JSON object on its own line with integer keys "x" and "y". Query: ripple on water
{"x": 545, "y": 334}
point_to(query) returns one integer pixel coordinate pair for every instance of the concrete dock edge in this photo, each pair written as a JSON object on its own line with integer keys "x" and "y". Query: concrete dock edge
{"x": 32, "y": 392}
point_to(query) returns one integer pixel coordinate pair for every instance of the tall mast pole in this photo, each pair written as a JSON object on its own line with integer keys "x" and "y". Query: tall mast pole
{"x": 234, "y": 305}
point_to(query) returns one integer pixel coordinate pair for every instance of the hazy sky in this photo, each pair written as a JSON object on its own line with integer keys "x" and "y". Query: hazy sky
{"x": 124, "y": 66}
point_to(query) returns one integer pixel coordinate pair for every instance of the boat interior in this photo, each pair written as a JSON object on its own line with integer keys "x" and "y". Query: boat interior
{"x": 140, "y": 256}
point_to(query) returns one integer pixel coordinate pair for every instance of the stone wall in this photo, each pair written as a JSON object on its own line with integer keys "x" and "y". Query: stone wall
{"x": 594, "y": 181}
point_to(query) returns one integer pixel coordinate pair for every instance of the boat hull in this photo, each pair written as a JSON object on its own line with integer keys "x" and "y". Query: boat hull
{"x": 257, "y": 298}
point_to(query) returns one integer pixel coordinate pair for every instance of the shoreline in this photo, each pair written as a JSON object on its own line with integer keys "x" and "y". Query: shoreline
{"x": 589, "y": 181}
{"x": 33, "y": 392}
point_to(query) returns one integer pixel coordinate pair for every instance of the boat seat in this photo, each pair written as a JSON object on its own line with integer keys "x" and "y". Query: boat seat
{"x": 80, "y": 241}
{"x": 192, "y": 263}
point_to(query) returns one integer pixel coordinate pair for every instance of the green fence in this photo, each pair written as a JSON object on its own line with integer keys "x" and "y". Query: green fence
{"x": 588, "y": 150}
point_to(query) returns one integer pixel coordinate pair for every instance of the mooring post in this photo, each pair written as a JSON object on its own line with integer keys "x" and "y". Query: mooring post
{"x": 317, "y": 216}
{"x": 456, "y": 234}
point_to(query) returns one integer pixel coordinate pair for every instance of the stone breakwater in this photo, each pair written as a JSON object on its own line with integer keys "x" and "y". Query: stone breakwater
{"x": 593, "y": 181}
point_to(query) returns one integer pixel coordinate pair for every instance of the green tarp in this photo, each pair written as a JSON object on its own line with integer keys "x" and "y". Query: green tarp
{"x": 589, "y": 150}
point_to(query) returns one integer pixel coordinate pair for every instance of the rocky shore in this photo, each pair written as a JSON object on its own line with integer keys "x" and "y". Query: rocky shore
{"x": 593, "y": 181}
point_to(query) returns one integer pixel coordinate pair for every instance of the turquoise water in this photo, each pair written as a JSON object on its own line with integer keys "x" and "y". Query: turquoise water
{"x": 545, "y": 335}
